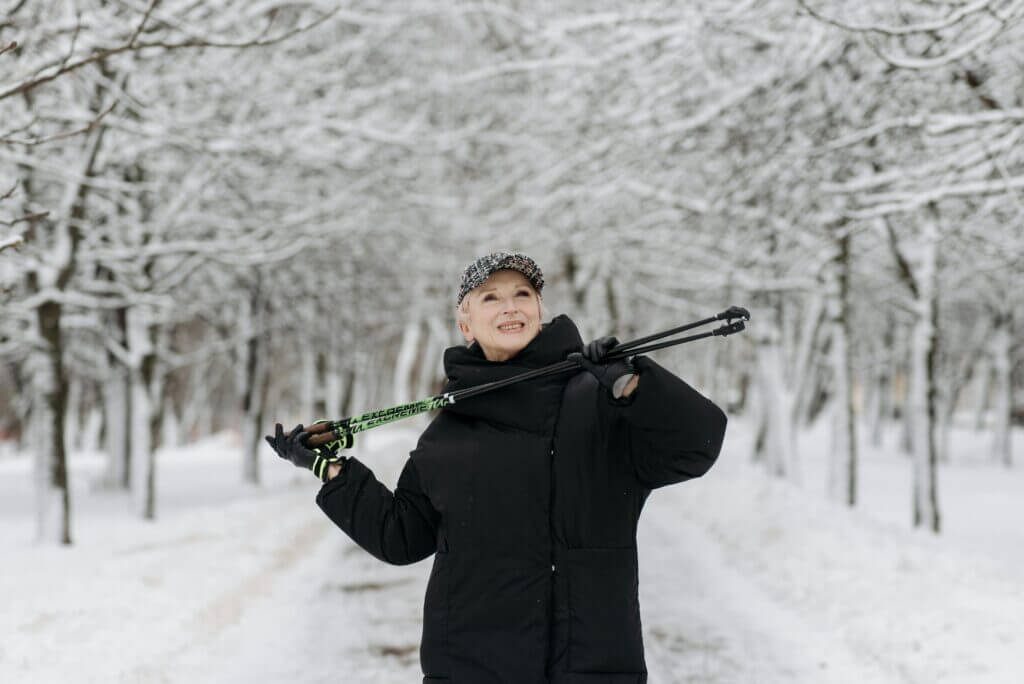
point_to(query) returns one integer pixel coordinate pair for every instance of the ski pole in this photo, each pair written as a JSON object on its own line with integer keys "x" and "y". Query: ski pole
{"x": 338, "y": 434}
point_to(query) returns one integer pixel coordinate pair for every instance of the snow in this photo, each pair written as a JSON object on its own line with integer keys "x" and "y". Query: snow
{"x": 744, "y": 578}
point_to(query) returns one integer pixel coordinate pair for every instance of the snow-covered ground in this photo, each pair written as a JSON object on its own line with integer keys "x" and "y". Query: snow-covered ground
{"x": 744, "y": 579}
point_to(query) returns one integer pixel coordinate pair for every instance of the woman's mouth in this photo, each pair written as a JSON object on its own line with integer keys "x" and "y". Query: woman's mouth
{"x": 511, "y": 327}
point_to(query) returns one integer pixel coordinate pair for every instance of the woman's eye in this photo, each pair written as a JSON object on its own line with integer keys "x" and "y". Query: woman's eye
{"x": 522, "y": 293}
{"x": 488, "y": 298}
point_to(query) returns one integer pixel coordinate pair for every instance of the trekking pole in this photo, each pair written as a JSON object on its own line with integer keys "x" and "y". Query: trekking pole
{"x": 338, "y": 434}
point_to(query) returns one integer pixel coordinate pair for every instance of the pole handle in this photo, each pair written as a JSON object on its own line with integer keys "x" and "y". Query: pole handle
{"x": 734, "y": 312}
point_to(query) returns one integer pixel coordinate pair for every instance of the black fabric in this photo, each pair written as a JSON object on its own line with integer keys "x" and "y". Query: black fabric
{"x": 529, "y": 498}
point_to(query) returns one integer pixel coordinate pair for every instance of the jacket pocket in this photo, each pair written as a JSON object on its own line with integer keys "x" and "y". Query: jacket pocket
{"x": 434, "y": 645}
{"x": 604, "y": 611}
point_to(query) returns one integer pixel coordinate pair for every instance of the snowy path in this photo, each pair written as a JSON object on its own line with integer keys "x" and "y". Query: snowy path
{"x": 744, "y": 580}
{"x": 706, "y": 622}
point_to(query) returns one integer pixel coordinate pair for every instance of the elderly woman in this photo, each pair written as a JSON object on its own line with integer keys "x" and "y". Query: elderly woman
{"x": 528, "y": 497}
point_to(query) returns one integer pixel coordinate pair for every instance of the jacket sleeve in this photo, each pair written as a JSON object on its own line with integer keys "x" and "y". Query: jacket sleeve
{"x": 398, "y": 528}
{"x": 675, "y": 433}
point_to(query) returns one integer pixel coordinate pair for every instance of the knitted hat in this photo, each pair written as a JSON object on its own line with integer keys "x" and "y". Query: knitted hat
{"x": 480, "y": 270}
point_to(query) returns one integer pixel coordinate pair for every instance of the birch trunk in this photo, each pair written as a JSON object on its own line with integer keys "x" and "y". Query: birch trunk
{"x": 922, "y": 399}
{"x": 50, "y": 381}
{"x": 146, "y": 405}
{"x": 408, "y": 352}
{"x": 777, "y": 447}
{"x": 117, "y": 432}
{"x": 803, "y": 361}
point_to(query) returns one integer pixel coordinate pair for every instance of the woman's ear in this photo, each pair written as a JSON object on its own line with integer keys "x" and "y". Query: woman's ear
{"x": 464, "y": 329}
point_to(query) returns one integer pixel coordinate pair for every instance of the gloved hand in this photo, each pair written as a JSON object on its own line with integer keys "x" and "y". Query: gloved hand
{"x": 596, "y": 350}
{"x": 292, "y": 447}
{"x": 612, "y": 376}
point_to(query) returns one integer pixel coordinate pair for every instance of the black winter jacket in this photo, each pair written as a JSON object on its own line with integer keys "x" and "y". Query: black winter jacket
{"x": 528, "y": 497}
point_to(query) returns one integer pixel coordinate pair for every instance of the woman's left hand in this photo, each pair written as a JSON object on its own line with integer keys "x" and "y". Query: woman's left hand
{"x": 618, "y": 377}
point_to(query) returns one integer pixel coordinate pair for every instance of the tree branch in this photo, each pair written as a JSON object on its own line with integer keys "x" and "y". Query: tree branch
{"x": 903, "y": 266}
{"x": 88, "y": 128}
{"x": 134, "y": 46}
{"x": 954, "y": 17}
{"x": 11, "y": 242}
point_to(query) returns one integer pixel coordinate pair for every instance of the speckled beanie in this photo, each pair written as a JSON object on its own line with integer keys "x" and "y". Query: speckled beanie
{"x": 480, "y": 270}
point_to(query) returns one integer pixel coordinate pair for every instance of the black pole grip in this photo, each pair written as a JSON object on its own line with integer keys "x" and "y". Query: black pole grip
{"x": 730, "y": 328}
{"x": 734, "y": 312}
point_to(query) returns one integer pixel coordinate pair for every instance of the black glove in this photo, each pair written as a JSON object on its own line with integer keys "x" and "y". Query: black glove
{"x": 613, "y": 376}
{"x": 598, "y": 349}
{"x": 293, "y": 448}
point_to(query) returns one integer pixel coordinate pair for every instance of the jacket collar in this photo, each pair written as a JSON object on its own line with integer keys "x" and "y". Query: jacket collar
{"x": 531, "y": 405}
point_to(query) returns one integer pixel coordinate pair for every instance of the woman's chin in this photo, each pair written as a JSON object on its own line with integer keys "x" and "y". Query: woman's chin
{"x": 504, "y": 349}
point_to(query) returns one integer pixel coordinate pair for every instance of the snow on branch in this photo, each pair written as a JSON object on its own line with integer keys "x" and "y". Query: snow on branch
{"x": 946, "y": 123}
{"x": 66, "y": 65}
{"x": 920, "y": 63}
{"x": 931, "y": 124}
{"x": 985, "y": 19}
{"x": 11, "y": 241}
{"x": 954, "y": 17}
{"x": 883, "y": 204}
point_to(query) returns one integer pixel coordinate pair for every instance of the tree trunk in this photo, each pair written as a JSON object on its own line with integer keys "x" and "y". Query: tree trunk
{"x": 50, "y": 380}
{"x": 254, "y": 389}
{"x": 196, "y": 407}
{"x": 408, "y": 352}
{"x": 922, "y": 399}
{"x": 778, "y": 446}
{"x": 880, "y": 408}
{"x": 150, "y": 422}
{"x": 73, "y": 414}
{"x": 1002, "y": 362}
{"x": 843, "y": 457}
{"x": 54, "y": 513}
{"x": 146, "y": 405}
{"x": 308, "y": 384}
{"x": 803, "y": 362}
{"x": 984, "y": 393}
{"x": 117, "y": 430}
{"x": 334, "y": 388}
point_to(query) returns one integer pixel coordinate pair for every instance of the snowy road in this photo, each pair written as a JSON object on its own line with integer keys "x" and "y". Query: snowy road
{"x": 743, "y": 580}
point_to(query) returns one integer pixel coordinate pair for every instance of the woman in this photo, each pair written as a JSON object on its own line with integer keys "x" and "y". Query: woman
{"x": 528, "y": 497}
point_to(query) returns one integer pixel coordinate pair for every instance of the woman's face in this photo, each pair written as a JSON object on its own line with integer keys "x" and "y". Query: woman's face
{"x": 503, "y": 315}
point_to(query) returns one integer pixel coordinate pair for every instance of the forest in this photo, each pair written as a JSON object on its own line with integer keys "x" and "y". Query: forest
{"x": 218, "y": 215}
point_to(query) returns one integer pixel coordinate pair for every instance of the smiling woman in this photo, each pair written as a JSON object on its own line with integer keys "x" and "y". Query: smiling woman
{"x": 528, "y": 497}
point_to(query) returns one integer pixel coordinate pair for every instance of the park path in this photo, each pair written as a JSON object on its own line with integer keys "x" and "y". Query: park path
{"x": 337, "y": 614}
{"x": 744, "y": 580}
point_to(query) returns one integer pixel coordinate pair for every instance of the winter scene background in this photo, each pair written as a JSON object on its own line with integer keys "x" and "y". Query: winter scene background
{"x": 215, "y": 216}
